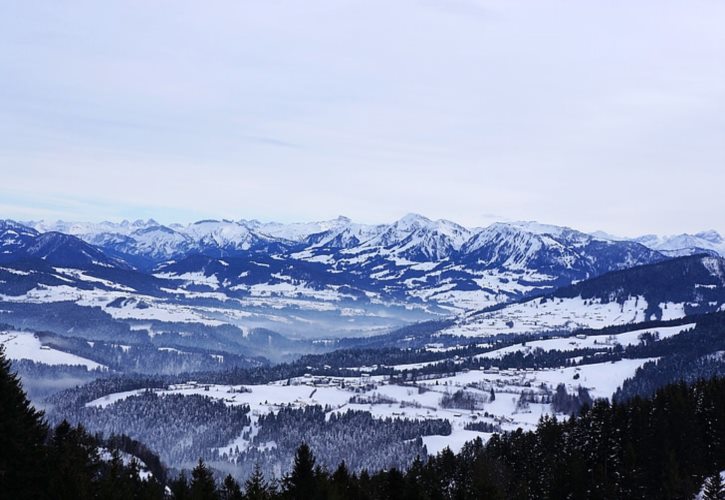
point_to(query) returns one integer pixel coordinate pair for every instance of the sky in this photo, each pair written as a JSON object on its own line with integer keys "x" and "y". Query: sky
{"x": 600, "y": 115}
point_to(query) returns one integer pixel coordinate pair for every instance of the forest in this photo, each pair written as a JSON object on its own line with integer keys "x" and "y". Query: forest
{"x": 663, "y": 447}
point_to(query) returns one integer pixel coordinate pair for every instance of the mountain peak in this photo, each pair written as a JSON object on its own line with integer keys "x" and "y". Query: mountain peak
{"x": 710, "y": 235}
{"x": 540, "y": 228}
{"x": 412, "y": 221}
{"x": 413, "y": 217}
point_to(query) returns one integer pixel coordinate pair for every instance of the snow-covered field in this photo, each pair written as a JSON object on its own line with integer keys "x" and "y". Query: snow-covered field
{"x": 25, "y": 345}
{"x": 587, "y": 342}
{"x": 420, "y": 400}
{"x": 554, "y": 314}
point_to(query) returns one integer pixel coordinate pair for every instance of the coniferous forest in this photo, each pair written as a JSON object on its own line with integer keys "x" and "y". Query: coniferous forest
{"x": 664, "y": 447}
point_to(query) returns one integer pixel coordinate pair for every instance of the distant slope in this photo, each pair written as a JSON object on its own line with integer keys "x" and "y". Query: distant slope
{"x": 666, "y": 290}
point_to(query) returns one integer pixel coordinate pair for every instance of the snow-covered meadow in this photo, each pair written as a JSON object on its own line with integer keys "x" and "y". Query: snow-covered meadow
{"x": 421, "y": 400}
{"x": 26, "y": 345}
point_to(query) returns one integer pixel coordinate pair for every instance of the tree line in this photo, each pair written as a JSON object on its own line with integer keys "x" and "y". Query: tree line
{"x": 663, "y": 447}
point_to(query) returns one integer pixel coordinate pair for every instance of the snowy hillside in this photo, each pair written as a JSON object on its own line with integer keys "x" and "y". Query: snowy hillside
{"x": 25, "y": 345}
{"x": 386, "y": 399}
{"x": 668, "y": 290}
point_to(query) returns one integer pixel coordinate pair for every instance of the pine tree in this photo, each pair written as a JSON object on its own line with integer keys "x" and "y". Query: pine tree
{"x": 202, "y": 483}
{"x": 76, "y": 465}
{"x": 300, "y": 484}
{"x": 180, "y": 487}
{"x": 256, "y": 487}
{"x": 341, "y": 484}
{"x": 230, "y": 489}
{"x": 113, "y": 484}
{"x": 393, "y": 486}
{"x": 22, "y": 435}
{"x": 714, "y": 488}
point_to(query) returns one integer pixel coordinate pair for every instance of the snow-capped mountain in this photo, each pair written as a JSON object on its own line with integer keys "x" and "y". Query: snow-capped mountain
{"x": 140, "y": 243}
{"x": 552, "y": 250}
{"x": 14, "y": 237}
{"x": 704, "y": 242}
{"x": 332, "y": 276}
{"x": 297, "y": 231}
{"x": 686, "y": 244}
{"x": 414, "y": 258}
{"x": 18, "y": 243}
{"x": 148, "y": 243}
{"x": 420, "y": 239}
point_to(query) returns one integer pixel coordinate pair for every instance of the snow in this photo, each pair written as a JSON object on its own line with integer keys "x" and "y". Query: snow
{"x": 707, "y": 240}
{"x": 109, "y": 399}
{"x": 298, "y": 231}
{"x": 25, "y": 345}
{"x": 82, "y": 276}
{"x": 384, "y": 399}
{"x": 144, "y": 473}
{"x": 590, "y": 342}
{"x": 554, "y": 314}
{"x": 220, "y": 233}
{"x": 198, "y": 278}
{"x": 161, "y": 312}
{"x": 459, "y": 436}
{"x": 701, "y": 494}
{"x": 15, "y": 271}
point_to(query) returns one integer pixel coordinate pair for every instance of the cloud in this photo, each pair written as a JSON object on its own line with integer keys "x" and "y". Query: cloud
{"x": 590, "y": 114}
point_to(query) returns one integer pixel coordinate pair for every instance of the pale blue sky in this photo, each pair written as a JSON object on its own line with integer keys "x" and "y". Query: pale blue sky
{"x": 594, "y": 114}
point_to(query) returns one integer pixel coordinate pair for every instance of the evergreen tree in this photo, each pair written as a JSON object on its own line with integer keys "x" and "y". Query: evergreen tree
{"x": 300, "y": 484}
{"x": 180, "y": 487}
{"x": 113, "y": 485}
{"x": 256, "y": 487}
{"x": 341, "y": 483}
{"x": 202, "y": 485}
{"x": 230, "y": 489}
{"x": 65, "y": 466}
{"x": 714, "y": 488}
{"x": 76, "y": 466}
{"x": 22, "y": 435}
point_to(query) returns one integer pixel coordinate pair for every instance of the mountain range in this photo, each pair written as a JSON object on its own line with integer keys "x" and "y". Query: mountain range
{"x": 315, "y": 279}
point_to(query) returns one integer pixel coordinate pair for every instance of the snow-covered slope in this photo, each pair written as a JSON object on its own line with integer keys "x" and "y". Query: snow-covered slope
{"x": 26, "y": 345}
{"x": 667, "y": 290}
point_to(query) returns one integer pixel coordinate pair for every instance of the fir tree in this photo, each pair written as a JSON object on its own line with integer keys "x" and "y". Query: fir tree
{"x": 75, "y": 462}
{"x": 230, "y": 489}
{"x": 22, "y": 435}
{"x": 256, "y": 487}
{"x": 202, "y": 483}
{"x": 341, "y": 484}
{"x": 180, "y": 487}
{"x": 714, "y": 488}
{"x": 300, "y": 484}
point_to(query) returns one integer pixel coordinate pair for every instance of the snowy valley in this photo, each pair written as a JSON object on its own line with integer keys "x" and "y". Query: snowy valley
{"x": 241, "y": 338}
